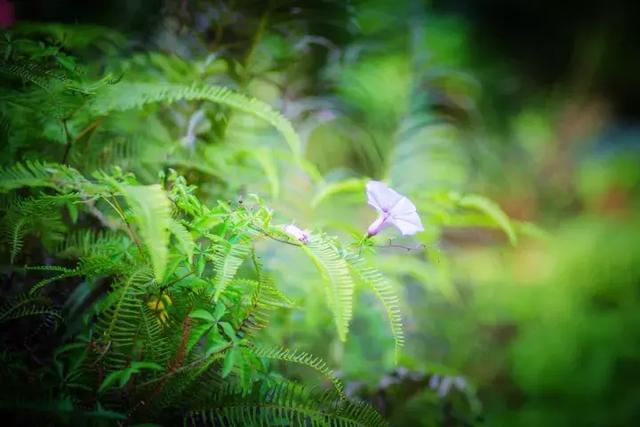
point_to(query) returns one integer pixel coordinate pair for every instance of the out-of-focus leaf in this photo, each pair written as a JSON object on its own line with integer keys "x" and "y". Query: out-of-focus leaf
{"x": 492, "y": 210}
{"x": 229, "y": 361}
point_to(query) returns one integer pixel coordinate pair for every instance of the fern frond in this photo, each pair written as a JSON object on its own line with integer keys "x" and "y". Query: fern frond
{"x": 264, "y": 301}
{"x": 39, "y": 215}
{"x": 286, "y": 403}
{"x": 153, "y": 337}
{"x": 90, "y": 242}
{"x": 302, "y": 358}
{"x": 337, "y": 280}
{"x": 40, "y": 174}
{"x": 120, "y": 321}
{"x": 129, "y": 96}
{"x": 384, "y": 291}
{"x": 30, "y": 71}
{"x": 351, "y": 185}
{"x": 152, "y": 213}
{"x": 64, "y": 272}
{"x": 491, "y": 209}
{"x": 27, "y": 174}
{"x": 183, "y": 237}
{"x": 24, "y": 305}
{"x": 15, "y": 233}
{"x": 227, "y": 258}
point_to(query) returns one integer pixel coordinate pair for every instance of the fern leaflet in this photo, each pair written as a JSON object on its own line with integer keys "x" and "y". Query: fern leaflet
{"x": 337, "y": 279}
{"x": 129, "y": 96}
{"x": 385, "y": 293}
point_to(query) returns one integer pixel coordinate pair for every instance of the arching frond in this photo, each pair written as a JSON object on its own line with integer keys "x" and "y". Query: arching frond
{"x": 129, "y": 96}
{"x": 264, "y": 301}
{"x": 41, "y": 174}
{"x": 491, "y": 209}
{"x": 227, "y": 258}
{"x": 302, "y": 358}
{"x": 183, "y": 237}
{"x": 384, "y": 291}
{"x": 120, "y": 322}
{"x": 152, "y": 214}
{"x": 152, "y": 335}
{"x": 285, "y": 403}
{"x": 351, "y": 185}
{"x": 15, "y": 231}
{"x": 27, "y": 174}
{"x": 83, "y": 243}
{"x": 39, "y": 216}
{"x": 336, "y": 278}
{"x": 30, "y": 71}
{"x": 24, "y": 305}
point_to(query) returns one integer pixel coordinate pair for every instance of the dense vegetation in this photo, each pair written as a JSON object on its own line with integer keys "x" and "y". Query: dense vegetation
{"x": 148, "y": 187}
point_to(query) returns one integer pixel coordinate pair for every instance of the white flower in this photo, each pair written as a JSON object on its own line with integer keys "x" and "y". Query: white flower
{"x": 296, "y": 232}
{"x": 394, "y": 209}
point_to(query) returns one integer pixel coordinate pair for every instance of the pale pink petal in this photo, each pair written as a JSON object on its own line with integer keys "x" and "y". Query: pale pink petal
{"x": 404, "y": 206}
{"x": 408, "y": 224}
{"x": 381, "y": 197}
{"x": 394, "y": 209}
{"x": 296, "y": 232}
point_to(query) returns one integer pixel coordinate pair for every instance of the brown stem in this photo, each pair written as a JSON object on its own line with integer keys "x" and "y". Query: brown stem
{"x": 132, "y": 234}
{"x": 173, "y": 282}
{"x": 175, "y": 363}
{"x": 184, "y": 367}
{"x": 67, "y": 146}
{"x": 88, "y": 129}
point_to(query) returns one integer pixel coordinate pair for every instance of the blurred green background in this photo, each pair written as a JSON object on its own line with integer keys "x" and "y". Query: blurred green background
{"x": 474, "y": 109}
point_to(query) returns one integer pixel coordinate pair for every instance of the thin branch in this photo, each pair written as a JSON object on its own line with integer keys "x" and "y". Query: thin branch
{"x": 67, "y": 146}
{"x": 264, "y": 232}
{"x": 88, "y": 129}
{"x": 187, "y": 366}
{"x": 395, "y": 245}
{"x": 116, "y": 206}
{"x": 173, "y": 282}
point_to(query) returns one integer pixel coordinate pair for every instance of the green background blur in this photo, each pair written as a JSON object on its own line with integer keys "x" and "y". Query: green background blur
{"x": 534, "y": 106}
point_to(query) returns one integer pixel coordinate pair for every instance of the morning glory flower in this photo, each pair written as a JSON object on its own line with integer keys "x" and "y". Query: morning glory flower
{"x": 296, "y": 232}
{"x": 393, "y": 209}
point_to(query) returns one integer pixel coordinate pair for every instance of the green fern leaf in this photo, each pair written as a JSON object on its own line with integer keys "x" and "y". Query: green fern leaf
{"x": 302, "y": 358}
{"x": 24, "y": 305}
{"x": 31, "y": 71}
{"x": 283, "y": 404}
{"x": 152, "y": 213}
{"x": 120, "y": 321}
{"x": 351, "y": 185}
{"x": 337, "y": 279}
{"x": 226, "y": 258}
{"x": 153, "y": 338}
{"x": 492, "y": 210}
{"x": 41, "y": 174}
{"x": 129, "y": 96}
{"x": 184, "y": 238}
{"x": 27, "y": 174}
{"x": 16, "y": 237}
{"x": 85, "y": 243}
{"x": 385, "y": 293}
{"x": 264, "y": 301}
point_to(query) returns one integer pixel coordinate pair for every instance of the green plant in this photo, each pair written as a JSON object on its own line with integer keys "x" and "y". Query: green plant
{"x": 133, "y": 235}
{"x": 168, "y": 291}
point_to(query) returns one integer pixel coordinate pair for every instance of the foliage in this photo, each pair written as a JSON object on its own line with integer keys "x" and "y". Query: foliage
{"x": 155, "y": 324}
{"x": 132, "y": 229}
